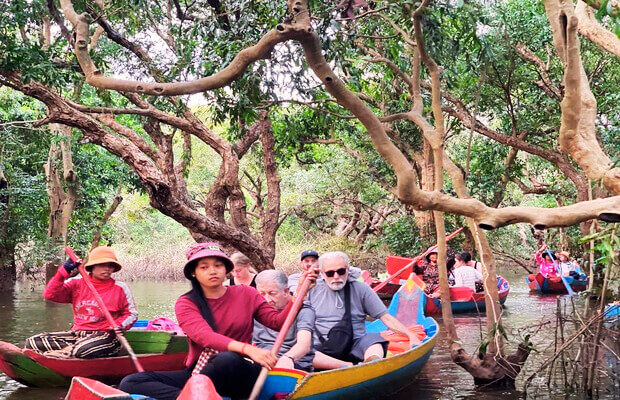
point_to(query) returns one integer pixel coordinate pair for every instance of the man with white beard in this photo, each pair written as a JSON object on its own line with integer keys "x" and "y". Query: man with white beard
{"x": 340, "y": 336}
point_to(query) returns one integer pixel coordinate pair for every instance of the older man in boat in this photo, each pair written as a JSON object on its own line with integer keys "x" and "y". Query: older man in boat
{"x": 91, "y": 335}
{"x": 296, "y": 351}
{"x": 341, "y": 305}
{"x": 309, "y": 260}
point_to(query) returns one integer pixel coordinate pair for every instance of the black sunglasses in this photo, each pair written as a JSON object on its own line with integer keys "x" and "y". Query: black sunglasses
{"x": 341, "y": 272}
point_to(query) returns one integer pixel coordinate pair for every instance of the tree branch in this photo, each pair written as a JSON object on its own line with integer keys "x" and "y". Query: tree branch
{"x": 545, "y": 84}
{"x": 589, "y": 27}
{"x": 94, "y": 77}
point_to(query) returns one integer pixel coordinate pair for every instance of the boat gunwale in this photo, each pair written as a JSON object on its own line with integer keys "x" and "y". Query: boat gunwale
{"x": 424, "y": 348}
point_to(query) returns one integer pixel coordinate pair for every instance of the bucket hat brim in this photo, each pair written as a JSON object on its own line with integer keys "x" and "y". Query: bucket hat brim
{"x": 203, "y": 250}
{"x": 90, "y": 265}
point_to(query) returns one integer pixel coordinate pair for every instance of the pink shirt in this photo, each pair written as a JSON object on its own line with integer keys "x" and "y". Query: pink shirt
{"x": 87, "y": 316}
{"x": 234, "y": 315}
{"x": 547, "y": 268}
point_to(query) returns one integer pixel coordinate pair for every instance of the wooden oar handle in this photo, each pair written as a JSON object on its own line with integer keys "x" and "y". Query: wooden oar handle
{"x": 72, "y": 255}
{"x": 290, "y": 318}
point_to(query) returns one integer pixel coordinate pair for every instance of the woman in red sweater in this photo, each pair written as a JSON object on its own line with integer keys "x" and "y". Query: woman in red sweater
{"x": 218, "y": 321}
{"x": 91, "y": 335}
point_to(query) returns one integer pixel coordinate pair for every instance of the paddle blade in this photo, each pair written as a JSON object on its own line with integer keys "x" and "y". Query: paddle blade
{"x": 199, "y": 387}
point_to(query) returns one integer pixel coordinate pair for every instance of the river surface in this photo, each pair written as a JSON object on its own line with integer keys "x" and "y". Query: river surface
{"x": 26, "y": 314}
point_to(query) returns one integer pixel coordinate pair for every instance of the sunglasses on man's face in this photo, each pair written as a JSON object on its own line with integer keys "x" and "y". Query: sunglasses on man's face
{"x": 340, "y": 272}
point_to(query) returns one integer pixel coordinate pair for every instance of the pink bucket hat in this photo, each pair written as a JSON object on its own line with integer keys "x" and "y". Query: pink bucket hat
{"x": 201, "y": 250}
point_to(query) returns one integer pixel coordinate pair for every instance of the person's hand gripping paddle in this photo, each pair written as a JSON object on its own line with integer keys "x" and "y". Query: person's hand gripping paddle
{"x": 290, "y": 318}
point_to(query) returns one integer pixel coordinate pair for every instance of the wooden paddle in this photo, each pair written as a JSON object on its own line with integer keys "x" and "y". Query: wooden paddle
{"x": 559, "y": 271}
{"x": 104, "y": 309}
{"x": 414, "y": 261}
{"x": 290, "y": 318}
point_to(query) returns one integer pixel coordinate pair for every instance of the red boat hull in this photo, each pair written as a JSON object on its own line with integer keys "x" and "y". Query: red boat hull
{"x": 34, "y": 369}
{"x": 90, "y": 389}
{"x": 538, "y": 283}
{"x": 465, "y": 300}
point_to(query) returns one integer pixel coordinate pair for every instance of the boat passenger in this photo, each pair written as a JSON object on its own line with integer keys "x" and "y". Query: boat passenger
{"x": 218, "y": 321}
{"x": 430, "y": 274}
{"x": 545, "y": 262}
{"x": 91, "y": 335}
{"x": 242, "y": 272}
{"x": 569, "y": 268}
{"x": 341, "y": 304}
{"x": 309, "y": 260}
{"x": 450, "y": 265}
{"x": 471, "y": 262}
{"x": 465, "y": 275}
{"x": 296, "y": 351}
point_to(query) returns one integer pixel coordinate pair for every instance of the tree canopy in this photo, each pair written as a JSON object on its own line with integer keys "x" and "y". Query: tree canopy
{"x": 304, "y": 78}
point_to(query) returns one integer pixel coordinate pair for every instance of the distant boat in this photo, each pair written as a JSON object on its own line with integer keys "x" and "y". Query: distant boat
{"x": 538, "y": 283}
{"x": 361, "y": 381}
{"x": 156, "y": 350}
{"x": 464, "y": 299}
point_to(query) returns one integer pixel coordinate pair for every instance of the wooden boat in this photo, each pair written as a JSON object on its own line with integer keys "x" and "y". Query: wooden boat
{"x": 156, "y": 350}
{"x": 393, "y": 264}
{"x": 464, "y": 299}
{"x": 538, "y": 283}
{"x": 365, "y": 380}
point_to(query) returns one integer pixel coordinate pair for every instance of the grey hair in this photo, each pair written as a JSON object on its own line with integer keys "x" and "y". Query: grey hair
{"x": 273, "y": 275}
{"x": 240, "y": 258}
{"x": 330, "y": 255}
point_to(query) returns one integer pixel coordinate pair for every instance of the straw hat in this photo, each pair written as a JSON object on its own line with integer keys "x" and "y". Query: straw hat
{"x": 102, "y": 255}
{"x": 565, "y": 254}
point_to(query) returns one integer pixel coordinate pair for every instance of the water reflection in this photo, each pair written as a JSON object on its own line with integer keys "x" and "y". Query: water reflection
{"x": 25, "y": 313}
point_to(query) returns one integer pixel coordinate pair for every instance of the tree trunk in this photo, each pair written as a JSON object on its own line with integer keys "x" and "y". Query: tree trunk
{"x": 424, "y": 219}
{"x": 106, "y": 217}
{"x": 491, "y": 367}
{"x": 7, "y": 246}
{"x": 62, "y": 194}
{"x": 578, "y": 125}
{"x": 271, "y": 217}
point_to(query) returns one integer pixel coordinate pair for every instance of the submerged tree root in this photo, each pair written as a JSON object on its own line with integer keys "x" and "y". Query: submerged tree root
{"x": 492, "y": 370}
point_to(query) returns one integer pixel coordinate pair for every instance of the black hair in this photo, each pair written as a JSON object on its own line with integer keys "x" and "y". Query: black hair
{"x": 197, "y": 296}
{"x": 549, "y": 256}
{"x": 450, "y": 263}
{"x": 464, "y": 256}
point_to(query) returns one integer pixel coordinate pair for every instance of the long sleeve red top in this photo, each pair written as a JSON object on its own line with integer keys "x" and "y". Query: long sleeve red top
{"x": 234, "y": 315}
{"x": 87, "y": 316}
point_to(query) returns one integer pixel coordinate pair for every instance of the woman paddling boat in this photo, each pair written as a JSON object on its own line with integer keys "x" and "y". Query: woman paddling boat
{"x": 91, "y": 335}
{"x": 545, "y": 262}
{"x": 218, "y": 321}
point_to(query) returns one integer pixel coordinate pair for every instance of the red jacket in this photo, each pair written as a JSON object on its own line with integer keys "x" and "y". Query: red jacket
{"x": 86, "y": 313}
{"x": 234, "y": 315}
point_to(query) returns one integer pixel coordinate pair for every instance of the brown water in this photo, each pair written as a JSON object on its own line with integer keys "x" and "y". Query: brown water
{"x": 26, "y": 314}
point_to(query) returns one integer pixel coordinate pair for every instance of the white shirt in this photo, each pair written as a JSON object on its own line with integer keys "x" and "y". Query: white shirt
{"x": 466, "y": 276}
